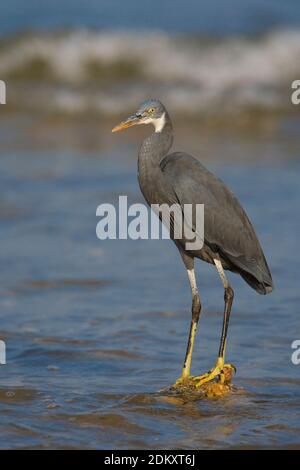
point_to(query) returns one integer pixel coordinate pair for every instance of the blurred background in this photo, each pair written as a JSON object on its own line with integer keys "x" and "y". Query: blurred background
{"x": 94, "y": 329}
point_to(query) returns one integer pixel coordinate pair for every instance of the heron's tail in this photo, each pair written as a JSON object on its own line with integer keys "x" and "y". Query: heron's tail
{"x": 262, "y": 287}
{"x": 255, "y": 272}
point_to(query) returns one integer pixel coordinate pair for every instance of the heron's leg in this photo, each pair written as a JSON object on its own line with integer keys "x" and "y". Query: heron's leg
{"x": 196, "y": 309}
{"x": 228, "y": 299}
{"x": 221, "y": 368}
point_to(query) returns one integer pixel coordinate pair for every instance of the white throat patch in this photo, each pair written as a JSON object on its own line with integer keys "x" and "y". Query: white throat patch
{"x": 159, "y": 123}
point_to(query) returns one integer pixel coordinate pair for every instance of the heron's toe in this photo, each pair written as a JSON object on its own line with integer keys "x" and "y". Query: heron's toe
{"x": 183, "y": 383}
{"x": 220, "y": 373}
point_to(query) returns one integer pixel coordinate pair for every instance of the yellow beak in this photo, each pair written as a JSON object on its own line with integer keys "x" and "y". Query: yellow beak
{"x": 131, "y": 121}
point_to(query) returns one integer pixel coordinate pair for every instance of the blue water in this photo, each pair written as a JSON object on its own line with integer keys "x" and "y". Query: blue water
{"x": 95, "y": 329}
{"x": 190, "y": 16}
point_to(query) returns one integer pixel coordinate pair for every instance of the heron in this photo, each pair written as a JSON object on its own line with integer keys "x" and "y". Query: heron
{"x": 230, "y": 242}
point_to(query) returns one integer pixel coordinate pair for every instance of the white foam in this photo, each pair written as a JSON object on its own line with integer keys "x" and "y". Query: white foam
{"x": 193, "y": 75}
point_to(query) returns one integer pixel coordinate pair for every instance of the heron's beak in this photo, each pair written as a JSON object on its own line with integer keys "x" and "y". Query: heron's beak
{"x": 131, "y": 121}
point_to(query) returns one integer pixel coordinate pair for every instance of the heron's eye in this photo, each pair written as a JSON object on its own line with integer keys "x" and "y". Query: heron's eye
{"x": 151, "y": 110}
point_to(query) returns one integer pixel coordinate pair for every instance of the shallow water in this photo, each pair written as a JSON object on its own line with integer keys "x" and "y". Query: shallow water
{"x": 95, "y": 329}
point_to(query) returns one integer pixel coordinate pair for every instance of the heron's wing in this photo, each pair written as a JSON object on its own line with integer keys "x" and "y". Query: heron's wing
{"x": 227, "y": 228}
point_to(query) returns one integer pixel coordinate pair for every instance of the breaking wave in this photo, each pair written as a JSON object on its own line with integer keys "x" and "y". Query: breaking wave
{"x": 110, "y": 71}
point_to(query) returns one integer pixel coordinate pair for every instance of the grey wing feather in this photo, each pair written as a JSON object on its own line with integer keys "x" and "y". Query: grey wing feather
{"x": 227, "y": 228}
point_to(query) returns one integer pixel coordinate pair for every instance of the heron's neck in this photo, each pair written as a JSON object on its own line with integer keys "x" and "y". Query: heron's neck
{"x": 155, "y": 147}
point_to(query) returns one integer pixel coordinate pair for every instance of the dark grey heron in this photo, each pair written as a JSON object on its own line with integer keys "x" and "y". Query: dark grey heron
{"x": 230, "y": 242}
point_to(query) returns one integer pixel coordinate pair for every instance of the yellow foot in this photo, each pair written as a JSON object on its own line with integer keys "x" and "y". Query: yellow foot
{"x": 222, "y": 372}
{"x": 184, "y": 383}
{"x": 215, "y": 384}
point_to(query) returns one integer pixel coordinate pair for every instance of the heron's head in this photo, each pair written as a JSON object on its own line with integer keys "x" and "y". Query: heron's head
{"x": 149, "y": 112}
